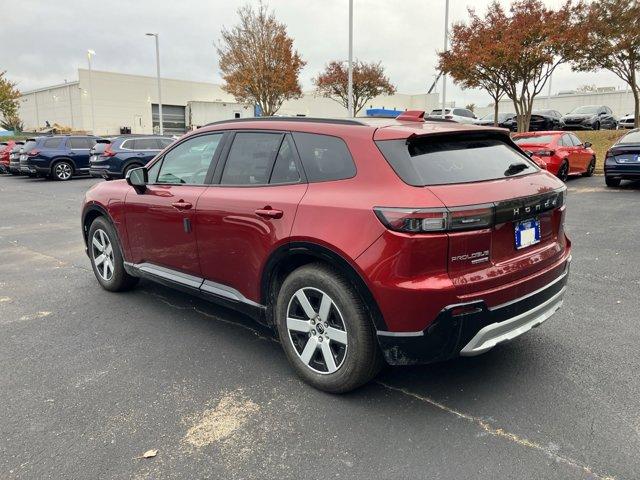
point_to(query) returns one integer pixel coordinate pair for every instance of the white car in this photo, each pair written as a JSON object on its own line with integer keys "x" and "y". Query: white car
{"x": 626, "y": 122}
{"x": 460, "y": 115}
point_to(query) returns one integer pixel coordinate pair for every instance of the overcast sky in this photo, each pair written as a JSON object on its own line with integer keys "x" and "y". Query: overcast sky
{"x": 44, "y": 42}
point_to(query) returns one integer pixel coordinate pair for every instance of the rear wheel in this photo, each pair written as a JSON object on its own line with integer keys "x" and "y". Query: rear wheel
{"x": 612, "y": 182}
{"x": 591, "y": 168}
{"x": 325, "y": 330}
{"x": 62, "y": 170}
{"x": 563, "y": 171}
{"x": 106, "y": 257}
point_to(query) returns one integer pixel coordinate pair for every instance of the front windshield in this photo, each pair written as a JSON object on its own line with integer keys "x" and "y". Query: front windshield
{"x": 590, "y": 110}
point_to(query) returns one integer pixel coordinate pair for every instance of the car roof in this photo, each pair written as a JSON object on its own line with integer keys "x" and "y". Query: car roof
{"x": 376, "y": 128}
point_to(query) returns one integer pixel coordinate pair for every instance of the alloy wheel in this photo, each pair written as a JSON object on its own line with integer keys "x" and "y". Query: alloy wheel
{"x": 317, "y": 330}
{"x": 563, "y": 172}
{"x": 102, "y": 254}
{"x": 62, "y": 171}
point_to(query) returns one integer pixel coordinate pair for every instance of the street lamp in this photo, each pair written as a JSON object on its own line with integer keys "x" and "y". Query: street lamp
{"x": 91, "y": 53}
{"x": 446, "y": 47}
{"x": 158, "y": 73}
{"x": 350, "y": 81}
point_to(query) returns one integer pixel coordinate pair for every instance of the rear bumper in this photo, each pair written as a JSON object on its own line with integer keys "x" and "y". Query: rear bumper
{"x": 103, "y": 172}
{"x": 622, "y": 171}
{"x": 473, "y": 328}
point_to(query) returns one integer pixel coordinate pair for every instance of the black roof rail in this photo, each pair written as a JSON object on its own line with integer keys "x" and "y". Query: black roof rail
{"x": 337, "y": 121}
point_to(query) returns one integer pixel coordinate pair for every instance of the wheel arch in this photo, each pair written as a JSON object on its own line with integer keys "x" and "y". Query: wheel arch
{"x": 288, "y": 257}
{"x": 89, "y": 214}
{"x": 60, "y": 159}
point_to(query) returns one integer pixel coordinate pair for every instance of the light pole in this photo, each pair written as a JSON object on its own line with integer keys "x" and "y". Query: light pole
{"x": 350, "y": 81}
{"x": 446, "y": 47}
{"x": 91, "y": 53}
{"x": 158, "y": 73}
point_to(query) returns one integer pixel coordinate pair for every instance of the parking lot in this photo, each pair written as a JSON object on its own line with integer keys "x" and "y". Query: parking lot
{"x": 90, "y": 380}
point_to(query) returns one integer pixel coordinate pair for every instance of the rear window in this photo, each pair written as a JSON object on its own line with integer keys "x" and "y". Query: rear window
{"x": 29, "y": 145}
{"x": 440, "y": 161}
{"x": 324, "y": 158}
{"x": 632, "y": 137}
{"x": 145, "y": 144}
{"x": 100, "y": 147}
{"x": 534, "y": 139}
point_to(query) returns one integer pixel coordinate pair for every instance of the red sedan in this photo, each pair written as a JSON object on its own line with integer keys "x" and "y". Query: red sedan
{"x": 5, "y": 149}
{"x": 563, "y": 152}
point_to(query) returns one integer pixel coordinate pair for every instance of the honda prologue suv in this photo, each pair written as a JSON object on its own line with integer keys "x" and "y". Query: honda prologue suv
{"x": 402, "y": 241}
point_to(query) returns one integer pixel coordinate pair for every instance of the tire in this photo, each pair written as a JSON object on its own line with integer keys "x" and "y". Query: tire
{"x": 62, "y": 170}
{"x": 563, "y": 171}
{"x": 345, "y": 332}
{"x": 596, "y": 126}
{"x": 110, "y": 271}
{"x": 591, "y": 168}
{"x": 612, "y": 182}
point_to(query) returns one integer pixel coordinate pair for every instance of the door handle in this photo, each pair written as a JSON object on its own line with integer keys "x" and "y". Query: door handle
{"x": 181, "y": 205}
{"x": 268, "y": 212}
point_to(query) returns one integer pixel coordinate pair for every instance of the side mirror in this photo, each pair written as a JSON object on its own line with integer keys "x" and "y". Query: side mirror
{"x": 138, "y": 178}
{"x": 587, "y": 144}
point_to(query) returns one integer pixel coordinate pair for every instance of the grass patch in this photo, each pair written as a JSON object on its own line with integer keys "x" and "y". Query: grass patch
{"x": 601, "y": 142}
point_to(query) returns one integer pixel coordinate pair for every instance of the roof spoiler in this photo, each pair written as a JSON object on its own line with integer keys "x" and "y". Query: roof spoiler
{"x": 411, "y": 116}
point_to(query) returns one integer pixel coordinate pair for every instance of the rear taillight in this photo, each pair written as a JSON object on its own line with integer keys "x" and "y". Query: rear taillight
{"x": 108, "y": 152}
{"x": 545, "y": 153}
{"x": 33, "y": 153}
{"x": 435, "y": 219}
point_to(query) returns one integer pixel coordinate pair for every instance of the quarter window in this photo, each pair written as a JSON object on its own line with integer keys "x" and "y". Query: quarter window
{"x": 250, "y": 159}
{"x": 324, "y": 157}
{"x": 188, "y": 163}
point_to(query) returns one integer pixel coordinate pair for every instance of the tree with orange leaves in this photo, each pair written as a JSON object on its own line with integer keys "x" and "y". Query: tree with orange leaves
{"x": 258, "y": 62}
{"x": 369, "y": 81}
{"x": 516, "y": 50}
{"x": 611, "y": 41}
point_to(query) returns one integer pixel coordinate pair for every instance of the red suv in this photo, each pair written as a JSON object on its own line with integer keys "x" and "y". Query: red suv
{"x": 402, "y": 241}
{"x": 563, "y": 152}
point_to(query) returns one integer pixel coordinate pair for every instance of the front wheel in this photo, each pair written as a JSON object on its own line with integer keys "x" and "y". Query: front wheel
{"x": 326, "y": 330}
{"x": 62, "y": 170}
{"x": 106, "y": 257}
{"x": 591, "y": 168}
{"x": 596, "y": 126}
{"x": 563, "y": 171}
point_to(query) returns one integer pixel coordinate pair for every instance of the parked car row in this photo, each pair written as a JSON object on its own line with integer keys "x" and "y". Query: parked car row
{"x": 61, "y": 157}
{"x": 590, "y": 117}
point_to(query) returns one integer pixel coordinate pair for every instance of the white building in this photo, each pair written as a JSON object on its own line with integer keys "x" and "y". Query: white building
{"x": 620, "y": 101}
{"x": 131, "y": 102}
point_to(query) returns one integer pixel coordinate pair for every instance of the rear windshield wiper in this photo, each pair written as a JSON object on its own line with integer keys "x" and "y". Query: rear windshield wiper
{"x": 515, "y": 168}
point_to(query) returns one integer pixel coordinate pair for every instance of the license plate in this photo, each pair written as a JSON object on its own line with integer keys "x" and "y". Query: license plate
{"x": 629, "y": 159}
{"x": 527, "y": 233}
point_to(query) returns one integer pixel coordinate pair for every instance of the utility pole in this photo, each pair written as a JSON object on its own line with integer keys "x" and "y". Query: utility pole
{"x": 350, "y": 86}
{"x": 91, "y": 53}
{"x": 446, "y": 47}
{"x": 159, "y": 86}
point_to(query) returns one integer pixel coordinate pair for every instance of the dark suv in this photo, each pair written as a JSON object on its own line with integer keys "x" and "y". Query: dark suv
{"x": 402, "y": 241}
{"x": 113, "y": 158}
{"x": 58, "y": 157}
{"x": 14, "y": 158}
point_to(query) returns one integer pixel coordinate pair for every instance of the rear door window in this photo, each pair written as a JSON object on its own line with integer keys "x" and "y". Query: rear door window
{"x": 145, "y": 144}
{"x": 441, "y": 161}
{"x": 285, "y": 169}
{"x": 324, "y": 158}
{"x": 76, "y": 143}
{"x": 51, "y": 143}
{"x": 534, "y": 140}
{"x": 251, "y": 158}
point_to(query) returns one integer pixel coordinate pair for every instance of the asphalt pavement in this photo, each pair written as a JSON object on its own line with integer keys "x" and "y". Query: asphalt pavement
{"x": 91, "y": 380}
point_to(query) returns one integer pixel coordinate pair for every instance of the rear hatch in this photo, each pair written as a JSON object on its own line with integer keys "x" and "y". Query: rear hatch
{"x": 503, "y": 216}
{"x": 98, "y": 149}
